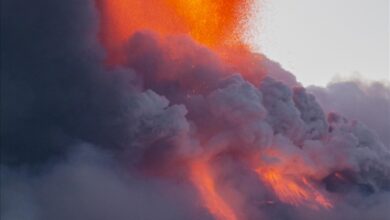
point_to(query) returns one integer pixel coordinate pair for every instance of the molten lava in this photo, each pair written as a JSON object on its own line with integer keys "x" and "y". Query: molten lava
{"x": 203, "y": 179}
{"x": 209, "y": 22}
{"x": 292, "y": 190}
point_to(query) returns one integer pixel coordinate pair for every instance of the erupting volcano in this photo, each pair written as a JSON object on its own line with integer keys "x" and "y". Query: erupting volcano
{"x": 137, "y": 109}
{"x": 212, "y": 24}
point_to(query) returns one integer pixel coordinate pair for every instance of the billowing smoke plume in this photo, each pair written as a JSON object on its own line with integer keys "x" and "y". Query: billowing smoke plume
{"x": 368, "y": 102}
{"x": 176, "y": 131}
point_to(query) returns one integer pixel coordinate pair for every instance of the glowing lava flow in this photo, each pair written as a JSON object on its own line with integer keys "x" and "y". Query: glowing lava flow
{"x": 209, "y": 22}
{"x": 204, "y": 182}
{"x": 292, "y": 191}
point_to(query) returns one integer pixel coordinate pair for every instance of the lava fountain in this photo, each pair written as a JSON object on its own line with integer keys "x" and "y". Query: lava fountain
{"x": 209, "y": 22}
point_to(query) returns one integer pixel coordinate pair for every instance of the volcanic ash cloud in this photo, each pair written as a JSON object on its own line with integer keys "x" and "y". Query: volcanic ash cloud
{"x": 175, "y": 129}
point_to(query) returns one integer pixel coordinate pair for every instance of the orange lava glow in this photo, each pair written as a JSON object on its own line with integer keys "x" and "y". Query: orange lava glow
{"x": 203, "y": 179}
{"x": 210, "y": 22}
{"x": 291, "y": 190}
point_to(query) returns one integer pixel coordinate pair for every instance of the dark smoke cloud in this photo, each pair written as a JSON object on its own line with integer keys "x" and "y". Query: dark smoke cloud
{"x": 55, "y": 91}
{"x": 56, "y": 95}
{"x": 47, "y": 46}
{"x": 82, "y": 141}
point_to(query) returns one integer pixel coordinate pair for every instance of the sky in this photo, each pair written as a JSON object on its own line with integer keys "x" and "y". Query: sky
{"x": 318, "y": 40}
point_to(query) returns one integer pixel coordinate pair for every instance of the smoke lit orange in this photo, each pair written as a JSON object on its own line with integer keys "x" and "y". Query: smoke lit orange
{"x": 210, "y": 22}
{"x": 203, "y": 180}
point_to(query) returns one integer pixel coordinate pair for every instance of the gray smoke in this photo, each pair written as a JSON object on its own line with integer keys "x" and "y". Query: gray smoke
{"x": 368, "y": 102}
{"x": 89, "y": 185}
